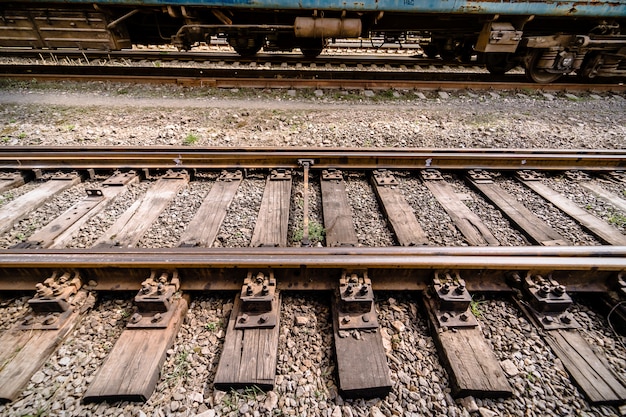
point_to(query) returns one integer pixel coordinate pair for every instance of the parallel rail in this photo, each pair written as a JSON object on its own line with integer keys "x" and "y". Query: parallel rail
{"x": 24, "y": 158}
{"x": 588, "y": 269}
{"x": 297, "y": 78}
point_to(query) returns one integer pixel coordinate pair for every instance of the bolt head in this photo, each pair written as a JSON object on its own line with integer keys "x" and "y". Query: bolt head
{"x": 464, "y": 317}
{"x": 365, "y": 318}
{"x": 345, "y": 320}
{"x": 445, "y": 317}
{"x": 263, "y": 319}
{"x": 548, "y": 319}
{"x": 566, "y": 319}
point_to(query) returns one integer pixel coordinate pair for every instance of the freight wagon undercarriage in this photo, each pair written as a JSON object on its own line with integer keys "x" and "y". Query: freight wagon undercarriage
{"x": 547, "y": 47}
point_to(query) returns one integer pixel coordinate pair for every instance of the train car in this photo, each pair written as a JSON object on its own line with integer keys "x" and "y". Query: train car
{"x": 549, "y": 38}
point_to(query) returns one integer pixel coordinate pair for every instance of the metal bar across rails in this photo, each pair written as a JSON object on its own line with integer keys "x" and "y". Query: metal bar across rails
{"x": 24, "y": 158}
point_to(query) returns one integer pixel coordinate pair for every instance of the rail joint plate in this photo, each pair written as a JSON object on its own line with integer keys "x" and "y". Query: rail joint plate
{"x": 51, "y": 306}
{"x": 383, "y": 178}
{"x": 155, "y": 301}
{"x": 549, "y": 302}
{"x": 355, "y": 307}
{"x": 451, "y": 301}
{"x": 259, "y": 302}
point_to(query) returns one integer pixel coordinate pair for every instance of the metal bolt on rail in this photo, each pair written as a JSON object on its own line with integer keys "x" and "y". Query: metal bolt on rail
{"x": 450, "y": 300}
{"x": 258, "y": 307}
{"x": 155, "y": 300}
{"x": 355, "y": 302}
{"x": 549, "y": 301}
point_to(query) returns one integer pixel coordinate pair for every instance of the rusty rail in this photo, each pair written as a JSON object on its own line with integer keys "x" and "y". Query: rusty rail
{"x": 28, "y": 158}
{"x": 593, "y": 268}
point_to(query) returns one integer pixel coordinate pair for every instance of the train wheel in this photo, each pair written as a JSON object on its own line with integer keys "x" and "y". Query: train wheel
{"x": 311, "y": 48}
{"x": 247, "y": 46}
{"x": 539, "y": 75}
{"x": 431, "y": 50}
{"x": 498, "y": 63}
{"x": 590, "y": 66}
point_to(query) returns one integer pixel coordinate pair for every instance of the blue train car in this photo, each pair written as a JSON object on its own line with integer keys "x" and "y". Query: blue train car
{"x": 550, "y": 38}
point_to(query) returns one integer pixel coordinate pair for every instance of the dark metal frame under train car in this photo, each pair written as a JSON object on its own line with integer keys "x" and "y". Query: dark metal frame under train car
{"x": 549, "y": 39}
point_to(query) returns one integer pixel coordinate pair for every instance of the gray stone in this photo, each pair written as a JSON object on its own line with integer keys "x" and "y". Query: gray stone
{"x": 375, "y": 412}
{"x": 469, "y": 403}
{"x": 174, "y": 405}
{"x": 369, "y": 93}
{"x": 443, "y": 95}
{"x": 271, "y": 401}
{"x": 207, "y": 413}
{"x": 399, "y": 326}
{"x": 420, "y": 95}
{"x": 291, "y": 93}
{"x": 39, "y": 377}
{"x": 319, "y": 93}
{"x": 301, "y": 321}
{"x": 509, "y": 367}
{"x": 485, "y": 412}
{"x": 336, "y": 412}
{"x": 571, "y": 96}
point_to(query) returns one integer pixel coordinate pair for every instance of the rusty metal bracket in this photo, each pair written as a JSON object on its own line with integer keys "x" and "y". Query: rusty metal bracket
{"x": 527, "y": 175}
{"x": 332, "y": 175}
{"x": 280, "y": 174}
{"x": 119, "y": 179}
{"x": 175, "y": 175}
{"x": 228, "y": 176}
{"x": 51, "y": 305}
{"x": 577, "y": 176}
{"x": 355, "y": 308}
{"x": 383, "y": 178}
{"x": 155, "y": 300}
{"x": 60, "y": 176}
{"x": 549, "y": 302}
{"x": 450, "y": 300}
{"x": 431, "y": 175}
{"x": 480, "y": 176}
{"x": 259, "y": 302}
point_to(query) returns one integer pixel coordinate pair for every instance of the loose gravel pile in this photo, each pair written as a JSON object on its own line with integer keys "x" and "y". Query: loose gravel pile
{"x": 121, "y": 115}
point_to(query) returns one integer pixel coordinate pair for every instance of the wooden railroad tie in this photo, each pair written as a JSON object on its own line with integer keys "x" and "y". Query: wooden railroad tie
{"x": 251, "y": 345}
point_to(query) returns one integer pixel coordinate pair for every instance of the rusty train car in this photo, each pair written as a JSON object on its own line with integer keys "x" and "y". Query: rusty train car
{"x": 549, "y": 38}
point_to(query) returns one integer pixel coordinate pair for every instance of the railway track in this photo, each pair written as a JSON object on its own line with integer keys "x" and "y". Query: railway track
{"x": 273, "y": 71}
{"x": 308, "y": 232}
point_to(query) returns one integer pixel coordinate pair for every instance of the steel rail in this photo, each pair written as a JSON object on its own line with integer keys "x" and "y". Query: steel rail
{"x": 397, "y": 268}
{"x": 296, "y": 78}
{"x": 27, "y": 158}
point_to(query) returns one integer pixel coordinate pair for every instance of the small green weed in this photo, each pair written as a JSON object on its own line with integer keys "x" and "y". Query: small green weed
{"x": 475, "y": 307}
{"x": 41, "y": 412}
{"x": 316, "y": 233}
{"x": 617, "y": 219}
{"x": 22, "y": 135}
{"x": 213, "y": 326}
{"x": 181, "y": 368}
{"x": 190, "y": 139}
